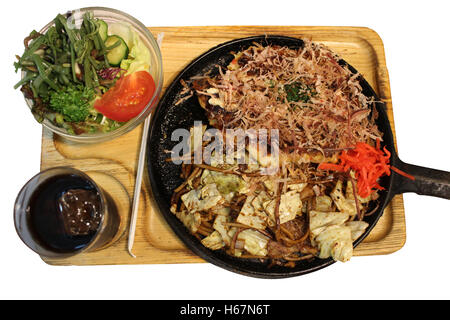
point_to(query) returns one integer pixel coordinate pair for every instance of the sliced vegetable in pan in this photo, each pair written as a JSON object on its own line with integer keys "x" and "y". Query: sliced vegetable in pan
{"x": 324, "y": 177}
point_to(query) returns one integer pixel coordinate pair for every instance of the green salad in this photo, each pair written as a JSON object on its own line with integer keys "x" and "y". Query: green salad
{"x": 68, "y": 68}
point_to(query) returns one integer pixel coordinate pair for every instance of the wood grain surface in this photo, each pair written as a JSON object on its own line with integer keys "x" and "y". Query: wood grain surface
{"x": 113, "y": 164}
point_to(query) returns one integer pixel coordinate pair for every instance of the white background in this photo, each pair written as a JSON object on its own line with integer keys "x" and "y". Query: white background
{"x": 417, "y": 44}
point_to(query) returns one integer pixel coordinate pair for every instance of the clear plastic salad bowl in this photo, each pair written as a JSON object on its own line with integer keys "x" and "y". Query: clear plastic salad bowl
{"x": 112, "y": 16}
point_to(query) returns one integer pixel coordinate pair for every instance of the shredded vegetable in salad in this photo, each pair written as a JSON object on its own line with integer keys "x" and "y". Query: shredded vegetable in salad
{"x": 68, "y": 70}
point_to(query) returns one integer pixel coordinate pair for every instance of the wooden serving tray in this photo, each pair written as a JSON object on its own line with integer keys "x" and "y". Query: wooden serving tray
{"x": 113, "y": 164}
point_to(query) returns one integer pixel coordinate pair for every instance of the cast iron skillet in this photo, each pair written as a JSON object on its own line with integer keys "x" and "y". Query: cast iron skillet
{"x": 165, "y": 176}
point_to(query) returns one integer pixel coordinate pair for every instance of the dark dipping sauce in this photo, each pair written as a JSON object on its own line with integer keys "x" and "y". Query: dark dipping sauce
{"x": 65, "y": 213}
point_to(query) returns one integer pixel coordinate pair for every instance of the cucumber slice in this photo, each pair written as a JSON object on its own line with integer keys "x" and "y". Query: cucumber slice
{"x": 118, "y": 53}
{"x": 103, "y": 29}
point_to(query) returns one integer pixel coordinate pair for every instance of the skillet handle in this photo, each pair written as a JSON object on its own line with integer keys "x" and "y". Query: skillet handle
{"x": 429, "y": 182}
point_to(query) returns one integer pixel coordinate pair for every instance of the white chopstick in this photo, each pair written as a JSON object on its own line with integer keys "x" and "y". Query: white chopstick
{"x": 137, "y": 187}
{"x": 140, "y": 169}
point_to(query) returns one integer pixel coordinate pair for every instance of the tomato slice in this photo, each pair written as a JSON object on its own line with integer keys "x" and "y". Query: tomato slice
{"x": 128, "y": 97}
